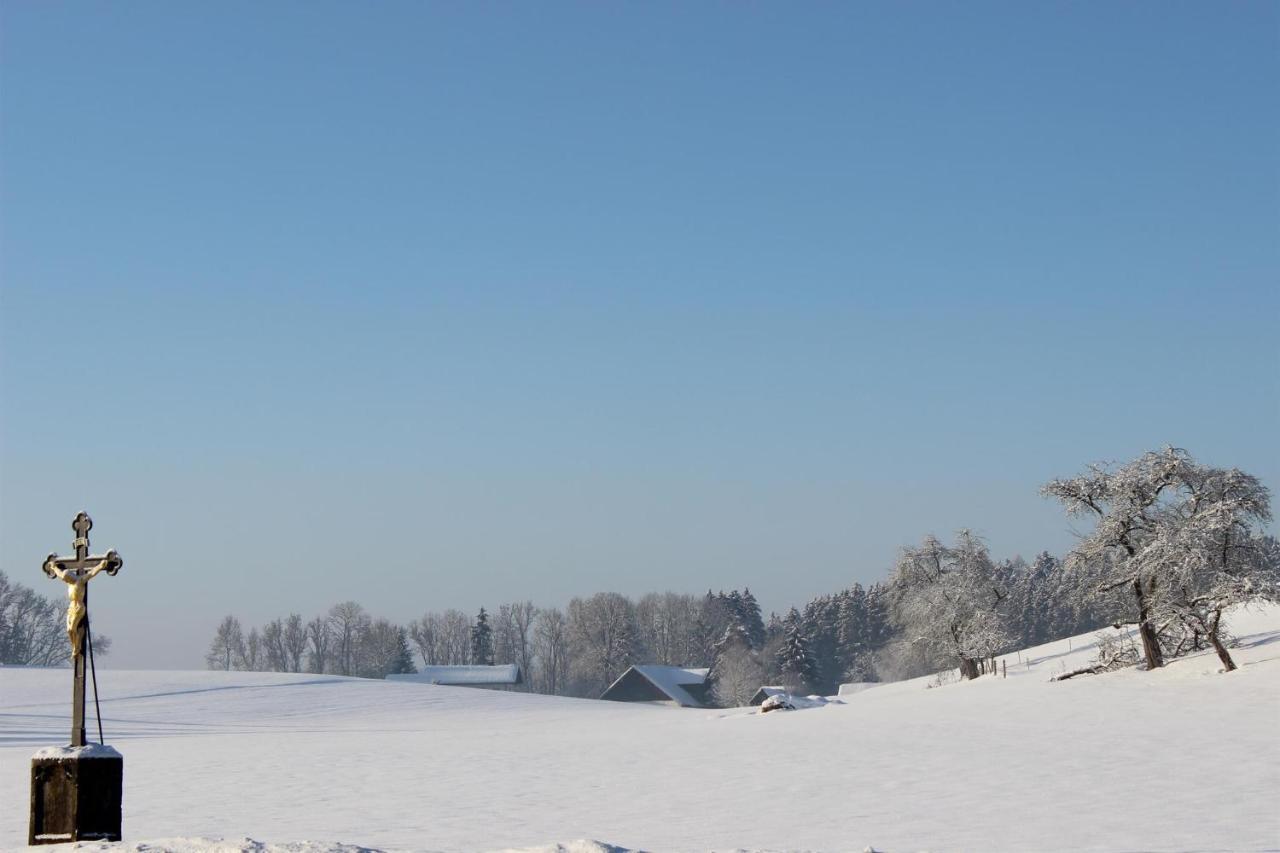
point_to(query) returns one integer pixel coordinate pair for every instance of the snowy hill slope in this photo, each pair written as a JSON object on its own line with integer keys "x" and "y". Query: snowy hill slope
{"x": 1181, "y": 759}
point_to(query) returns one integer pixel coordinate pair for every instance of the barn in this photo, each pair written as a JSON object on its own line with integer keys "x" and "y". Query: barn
{"x": 663, "y": 685}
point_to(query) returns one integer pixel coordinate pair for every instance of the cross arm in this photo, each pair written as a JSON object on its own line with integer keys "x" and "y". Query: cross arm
{"x": 57, "y": 567}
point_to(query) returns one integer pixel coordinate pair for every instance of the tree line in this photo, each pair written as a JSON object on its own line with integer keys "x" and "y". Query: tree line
{"x": 1175, "y": 544}
{"x": 33, "y": 628}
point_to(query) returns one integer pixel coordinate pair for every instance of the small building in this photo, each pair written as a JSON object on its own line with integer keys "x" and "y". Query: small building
{"x": 663, "y": 685}
{"x": 765, "y": 692}
{"x": 501, "y": 677}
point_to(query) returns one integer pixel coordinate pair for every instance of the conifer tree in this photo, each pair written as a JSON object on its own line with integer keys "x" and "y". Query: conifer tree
{"x": 403, "y": 660}
{"x": 482, "y": 640}
{"x": 795, "y": 660}
{"x": 851, "y": 634}
{"x": 752, "y": 620}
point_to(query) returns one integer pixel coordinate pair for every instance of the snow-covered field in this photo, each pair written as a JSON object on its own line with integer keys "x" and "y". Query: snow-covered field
{"x": 1181, "y": 759}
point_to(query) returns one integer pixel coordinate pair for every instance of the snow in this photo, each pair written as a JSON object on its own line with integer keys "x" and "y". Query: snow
{"x": 463, "y": 675}
{"x": 249, "y": 845}
{"x": 91, "y": 750}
{"x": 856, "y": 687}
{"x": 788, "y": 702}
{"x": 1178, "y": 759}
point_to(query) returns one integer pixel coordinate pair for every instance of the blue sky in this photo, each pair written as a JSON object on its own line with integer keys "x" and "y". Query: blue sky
{"x": 439, "y": 305}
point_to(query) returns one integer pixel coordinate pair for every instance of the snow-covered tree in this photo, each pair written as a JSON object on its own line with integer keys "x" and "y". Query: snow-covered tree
{"x": 602, "y": 635}
{"x": 735, "y": 640}
{"x": 853, "y": 643}
{"x": 1210, "y": 551}
{"x": 946, "y": 600}
{"x": 716, "y": 613}
{"x": 668, "y": 629}
{"x": 736, "y": 676}
{"x": 751, "y": 619}
{"x": 1183, "y": 538}
{"x": 796, "y": 666}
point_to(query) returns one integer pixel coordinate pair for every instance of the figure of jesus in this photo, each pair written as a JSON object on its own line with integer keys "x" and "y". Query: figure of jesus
{"x": 77, "y": 581}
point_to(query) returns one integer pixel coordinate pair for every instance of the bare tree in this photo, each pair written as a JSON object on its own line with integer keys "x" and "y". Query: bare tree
{"x": 551, "y": 648}
{"x": 513, "y": 635}
{"x": 320, "y": 643}
{"x": 426, "y": 635}
{"x": 251, "y": 652}
{"x": 346, "y": 622}
{"x": 228, "y": 641}
{"x": 275, "y": 657}
{"x": 668, "y": 628}
{"x": 32, "y": 631}
{"x": 295, "y": 642}
{"x": 379, "y": 649}
{"x": 602, "y": 635}
{"x": 455, "y": 638}
{"x": 504, "y": 635}
{"x": 523, "y": 614}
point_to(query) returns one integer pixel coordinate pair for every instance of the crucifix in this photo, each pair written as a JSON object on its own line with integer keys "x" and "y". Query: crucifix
{"x": 76, "y": 572}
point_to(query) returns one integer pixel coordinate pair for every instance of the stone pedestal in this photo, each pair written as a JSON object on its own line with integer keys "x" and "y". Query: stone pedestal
{"x": 75, "y": 794}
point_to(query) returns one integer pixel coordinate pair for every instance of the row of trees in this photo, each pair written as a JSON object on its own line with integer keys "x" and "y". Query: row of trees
{"x": 33, "y": 630}
{"x": 345, "y": 641}
{"x": 848, "y": 636}
{"x": 1174, "y": 545}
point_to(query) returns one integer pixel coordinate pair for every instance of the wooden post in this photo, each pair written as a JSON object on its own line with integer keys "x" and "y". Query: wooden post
{"x": 76, "y": 790}
{"x": 1004, "y": 669}
{"x": 77, "y": 704}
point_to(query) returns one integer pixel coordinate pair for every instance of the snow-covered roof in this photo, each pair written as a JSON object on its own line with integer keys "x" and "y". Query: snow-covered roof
{"x": 672, "y": 680}
{"x": 507, "y": 673}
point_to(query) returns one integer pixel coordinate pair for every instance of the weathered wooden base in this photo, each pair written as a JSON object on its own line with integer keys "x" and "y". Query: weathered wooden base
{"x": 76, "y": 794}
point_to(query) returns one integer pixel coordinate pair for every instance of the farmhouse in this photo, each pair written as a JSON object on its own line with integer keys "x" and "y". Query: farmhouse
{"x": 501, "y": 677}
{"x": 666, "y": 685}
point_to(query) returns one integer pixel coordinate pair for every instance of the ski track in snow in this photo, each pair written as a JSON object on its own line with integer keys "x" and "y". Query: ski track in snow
{"x": 1180, "y": 759}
